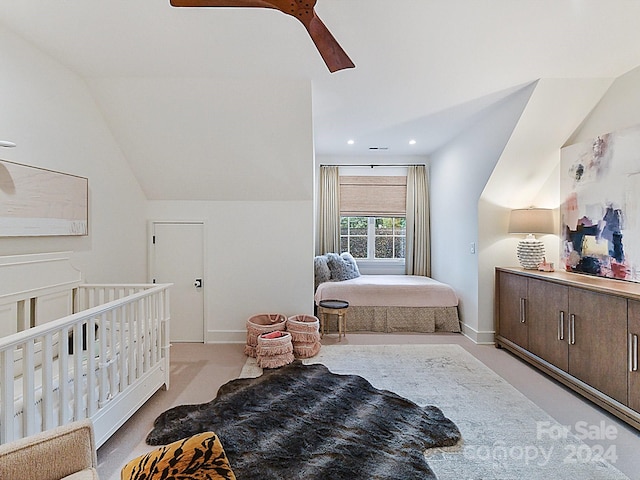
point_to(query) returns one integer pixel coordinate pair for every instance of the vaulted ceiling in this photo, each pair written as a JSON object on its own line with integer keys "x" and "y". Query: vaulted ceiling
{"x": 425, "y": 69}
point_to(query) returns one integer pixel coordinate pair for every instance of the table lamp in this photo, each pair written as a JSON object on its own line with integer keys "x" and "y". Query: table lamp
{"x": 529, "y": 221}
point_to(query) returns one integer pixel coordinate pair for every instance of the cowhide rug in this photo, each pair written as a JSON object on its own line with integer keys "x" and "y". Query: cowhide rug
{"x": 304, "y": 422}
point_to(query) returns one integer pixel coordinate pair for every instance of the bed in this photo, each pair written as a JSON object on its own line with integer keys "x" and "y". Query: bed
{"x": 70, "y": 351}
{"x": 387, "y": 303}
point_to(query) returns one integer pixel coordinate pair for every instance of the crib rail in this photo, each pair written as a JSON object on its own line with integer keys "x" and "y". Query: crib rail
{"x": 77, "y": 366}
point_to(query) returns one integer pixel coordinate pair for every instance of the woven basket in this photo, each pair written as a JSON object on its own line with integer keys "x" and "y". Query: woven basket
{"x": 274, "y": 352}
{"x": 304, "y": 329}
{"x": 259, "y": 324}
{"x": 275, "y": 361}
{"x": 306, "y": 350}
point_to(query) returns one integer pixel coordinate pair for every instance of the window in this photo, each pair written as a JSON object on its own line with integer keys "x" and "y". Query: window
{"x": 372, "y": 217}
{"x": 373, "y": 238}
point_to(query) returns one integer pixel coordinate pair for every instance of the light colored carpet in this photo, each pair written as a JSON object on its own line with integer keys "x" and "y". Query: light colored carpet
{"x": 505, "y": 435}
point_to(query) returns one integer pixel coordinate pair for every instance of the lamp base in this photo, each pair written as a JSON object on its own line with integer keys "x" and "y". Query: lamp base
{"x": 530, "y": 253}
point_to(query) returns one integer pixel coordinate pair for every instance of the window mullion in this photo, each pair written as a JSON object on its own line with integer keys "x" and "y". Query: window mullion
{"x": 371, "y": 238}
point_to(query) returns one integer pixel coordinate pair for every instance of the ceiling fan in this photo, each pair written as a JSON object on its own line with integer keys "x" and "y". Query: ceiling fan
{"x": 332, "y": 53}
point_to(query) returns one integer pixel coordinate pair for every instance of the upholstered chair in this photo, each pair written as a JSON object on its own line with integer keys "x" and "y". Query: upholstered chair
{"x": 66, "y": 452}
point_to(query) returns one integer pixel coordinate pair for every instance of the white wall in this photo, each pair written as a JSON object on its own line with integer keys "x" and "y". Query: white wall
{"x": 258, "y": 259}
{"x": 527, "y": 174}
{"x": 459, "y": 172}
{"x": 265, "y": 266}
{"x": 617, "y": 110}
{"x": 47, "y": 110}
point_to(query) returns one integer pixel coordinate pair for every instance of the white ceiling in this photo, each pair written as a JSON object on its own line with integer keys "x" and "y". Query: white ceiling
{"x": 424, "y": 68}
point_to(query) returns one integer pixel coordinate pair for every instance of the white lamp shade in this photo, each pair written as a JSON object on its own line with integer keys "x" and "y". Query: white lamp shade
{"x": 531, "y": 220}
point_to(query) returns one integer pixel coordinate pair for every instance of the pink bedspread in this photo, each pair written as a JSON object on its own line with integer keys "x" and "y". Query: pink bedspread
{"x": 389, "y": 291}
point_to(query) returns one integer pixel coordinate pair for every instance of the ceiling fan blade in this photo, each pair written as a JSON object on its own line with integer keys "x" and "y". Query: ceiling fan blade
{"x": 330, "y": 50}
{"x": 221, "y": 3}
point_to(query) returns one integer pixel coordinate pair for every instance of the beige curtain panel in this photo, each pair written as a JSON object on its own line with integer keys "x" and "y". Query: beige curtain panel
{"x": 418, "y": 256}
{"x": 329, "y": 221}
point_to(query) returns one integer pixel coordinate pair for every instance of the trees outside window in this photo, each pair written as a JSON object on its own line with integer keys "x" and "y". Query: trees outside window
{"x": 373, "y": 238}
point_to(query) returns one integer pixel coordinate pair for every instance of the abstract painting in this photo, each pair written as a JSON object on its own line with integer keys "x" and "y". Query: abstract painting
{"x": 600, "y": 189}
{"x": 38, "y": 202}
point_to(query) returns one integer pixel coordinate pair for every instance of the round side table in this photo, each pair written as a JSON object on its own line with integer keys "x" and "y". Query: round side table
{"x": 333, "y": 307}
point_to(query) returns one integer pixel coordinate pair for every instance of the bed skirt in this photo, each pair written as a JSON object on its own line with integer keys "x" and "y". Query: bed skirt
{"x": 402, "y": 319}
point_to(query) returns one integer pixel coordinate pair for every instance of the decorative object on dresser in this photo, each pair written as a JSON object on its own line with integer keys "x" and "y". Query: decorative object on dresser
{"x": 583, "y": 331}
{"x": 529, "y": 221}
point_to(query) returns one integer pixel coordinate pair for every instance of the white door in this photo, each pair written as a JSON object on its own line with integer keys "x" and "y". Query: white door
{"x": 177, "y": 256}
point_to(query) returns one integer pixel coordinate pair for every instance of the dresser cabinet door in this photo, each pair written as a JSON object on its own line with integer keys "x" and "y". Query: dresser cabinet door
{"x": 548, "y": 318}
{"x": 633, "y": 368}
{"x": 597, "y": 332}
{"x": 513, "y": 309}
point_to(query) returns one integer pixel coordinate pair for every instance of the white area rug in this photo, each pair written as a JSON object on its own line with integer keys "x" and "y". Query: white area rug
{"x": 506, "y": 436}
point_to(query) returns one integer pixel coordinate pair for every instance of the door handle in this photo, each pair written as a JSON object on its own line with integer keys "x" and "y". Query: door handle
{"x": 633, "y": 352}
{"x": 561, "y": 326}
{"x": 198, "y": 283}
{"x": 572, "y": 329}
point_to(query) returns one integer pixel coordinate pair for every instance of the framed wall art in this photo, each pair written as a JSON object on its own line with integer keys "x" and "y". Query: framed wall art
{"x": 600, "y": 189}
{"x": 39, "y": 202}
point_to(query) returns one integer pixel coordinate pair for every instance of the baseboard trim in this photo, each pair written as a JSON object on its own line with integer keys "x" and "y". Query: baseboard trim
{"x": 478, "y": 337}
{"x": 240, "y": 336}
{"x": 226, "y": 336}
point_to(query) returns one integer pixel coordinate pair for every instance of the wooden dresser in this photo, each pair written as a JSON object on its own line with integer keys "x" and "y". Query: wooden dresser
{"x": 581, "y": 330}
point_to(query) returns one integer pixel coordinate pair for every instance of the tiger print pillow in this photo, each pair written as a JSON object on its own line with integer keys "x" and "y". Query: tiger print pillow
{"x": 200, "y": 457}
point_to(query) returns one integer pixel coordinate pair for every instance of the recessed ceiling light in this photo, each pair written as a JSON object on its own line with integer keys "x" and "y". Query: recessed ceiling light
{"x": 351, "y": 142}
{"x": 6, "y": 144}
{"x": 412, "y": 142}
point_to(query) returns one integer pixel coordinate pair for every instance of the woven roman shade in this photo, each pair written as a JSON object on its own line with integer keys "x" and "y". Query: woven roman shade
{"x": 373, "y": 196}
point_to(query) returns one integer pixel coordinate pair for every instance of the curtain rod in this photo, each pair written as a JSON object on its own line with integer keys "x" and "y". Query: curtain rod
{"x": 372, "y": 165}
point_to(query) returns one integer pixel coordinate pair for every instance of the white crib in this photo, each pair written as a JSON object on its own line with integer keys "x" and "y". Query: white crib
{"x": 70, "y": 351}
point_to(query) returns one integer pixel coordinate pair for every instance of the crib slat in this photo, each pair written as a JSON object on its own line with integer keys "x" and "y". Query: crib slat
{"x": 148, "y": 343}
{"x": 63, "y": 377}
{"x": 103, "y": 365}
{"x": 112, "y": 351}
{"x": 153, "y": 315}
{"x": 48, "y": 420}
{"x": 122, "y": 349}
{"x": 91, "y": 380}
{"x": 165, "y": 327}
{"x": 6, "y": 391}
{"x": 78, "y": 407}
{"x": 140, "y": 341}
{"x": 28, "y": 394}
{"x": 131, "y": 346}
